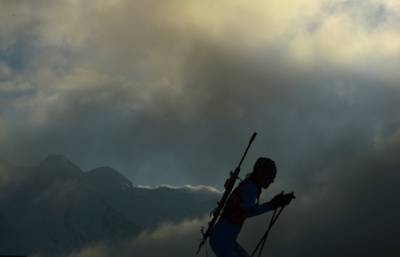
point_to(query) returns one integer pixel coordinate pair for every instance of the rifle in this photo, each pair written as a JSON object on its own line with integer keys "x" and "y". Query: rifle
{"x": 229, "y": 184}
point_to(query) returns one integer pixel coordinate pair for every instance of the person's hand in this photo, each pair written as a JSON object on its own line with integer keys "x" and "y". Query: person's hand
{"x": 281, "y": 200}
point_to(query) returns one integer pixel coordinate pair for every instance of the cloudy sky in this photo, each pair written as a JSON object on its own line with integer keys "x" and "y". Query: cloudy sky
{"x": 169, "y": 92}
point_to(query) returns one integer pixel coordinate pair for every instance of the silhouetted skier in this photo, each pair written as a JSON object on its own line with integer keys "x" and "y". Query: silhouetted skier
{"x": 243, "y": 203}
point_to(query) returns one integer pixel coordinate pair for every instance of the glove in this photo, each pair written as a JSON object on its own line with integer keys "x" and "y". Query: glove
{"x": 281, "y": 200}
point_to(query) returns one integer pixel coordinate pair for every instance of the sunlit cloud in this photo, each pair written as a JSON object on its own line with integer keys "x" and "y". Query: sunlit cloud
{"x": 187, "y": 187}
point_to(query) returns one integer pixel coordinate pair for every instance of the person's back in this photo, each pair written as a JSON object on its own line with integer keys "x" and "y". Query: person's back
{"x": 243, "y": 203}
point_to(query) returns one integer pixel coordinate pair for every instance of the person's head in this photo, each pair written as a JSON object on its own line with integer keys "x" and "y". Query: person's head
{"x": 264, "y": 172}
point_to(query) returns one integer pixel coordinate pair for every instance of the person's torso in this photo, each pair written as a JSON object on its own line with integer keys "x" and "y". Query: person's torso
{"x": 234, "y": 211}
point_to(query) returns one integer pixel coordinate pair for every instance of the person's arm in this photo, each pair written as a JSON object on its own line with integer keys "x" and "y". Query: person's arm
{"x": 248, "y": 202}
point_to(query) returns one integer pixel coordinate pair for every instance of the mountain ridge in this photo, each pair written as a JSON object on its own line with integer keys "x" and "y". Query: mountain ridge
{"x": 55, "y": 208}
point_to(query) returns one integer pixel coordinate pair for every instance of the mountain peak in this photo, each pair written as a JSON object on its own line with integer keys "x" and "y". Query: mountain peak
{"x": 61, "y": 164}
{"x": 106, "y": 171}
{"x": 108, "y": 176}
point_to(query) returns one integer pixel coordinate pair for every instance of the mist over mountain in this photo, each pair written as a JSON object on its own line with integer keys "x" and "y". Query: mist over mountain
{"x": 56, "y": 208}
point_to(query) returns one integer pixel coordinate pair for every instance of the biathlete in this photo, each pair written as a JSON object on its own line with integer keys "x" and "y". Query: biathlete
{"x": 242, "y": 204}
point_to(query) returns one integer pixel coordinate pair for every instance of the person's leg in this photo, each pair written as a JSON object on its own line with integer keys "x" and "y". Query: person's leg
{"x": 223, "y": 239}
{"x": 238, "y": 251}
{"x": 222, "y": 247}
{"x": 227, "y": 248}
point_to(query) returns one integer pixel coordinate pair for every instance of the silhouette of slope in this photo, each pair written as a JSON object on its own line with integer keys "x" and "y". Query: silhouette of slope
{"x": 56, "y": 208}
{"x": 51, "y": 209}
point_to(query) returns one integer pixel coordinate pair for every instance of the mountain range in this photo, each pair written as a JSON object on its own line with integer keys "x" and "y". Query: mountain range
{"x": 55, "y": 208}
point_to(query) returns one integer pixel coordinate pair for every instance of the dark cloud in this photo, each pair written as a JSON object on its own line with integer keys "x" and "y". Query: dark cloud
{"x": 335, "y": 139}
{"x": 224, "y": 98}
{"x": 169, "y": 99}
